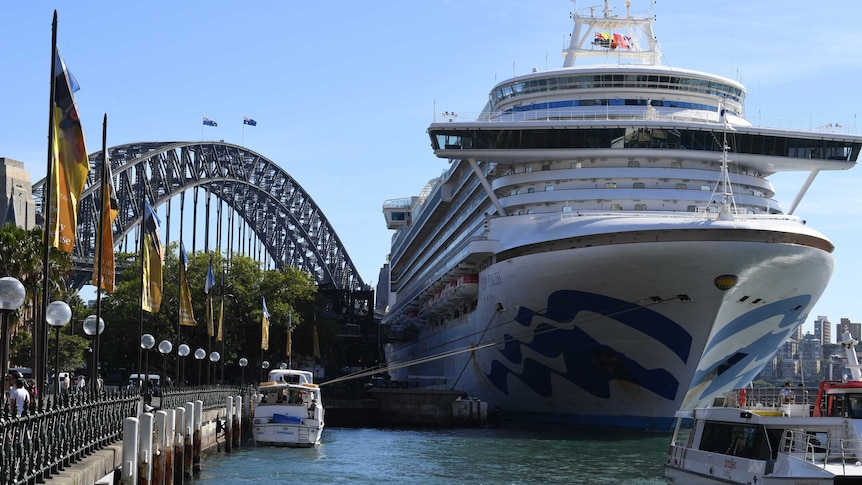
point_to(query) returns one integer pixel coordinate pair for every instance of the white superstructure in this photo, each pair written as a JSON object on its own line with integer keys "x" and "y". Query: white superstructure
{"x": 605, "y": 247}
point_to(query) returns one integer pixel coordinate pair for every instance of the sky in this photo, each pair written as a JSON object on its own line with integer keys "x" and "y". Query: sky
{"x": 343, "y": 92}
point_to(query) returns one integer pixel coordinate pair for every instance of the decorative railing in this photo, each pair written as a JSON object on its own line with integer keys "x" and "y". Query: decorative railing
{"x": 55, "y": 433}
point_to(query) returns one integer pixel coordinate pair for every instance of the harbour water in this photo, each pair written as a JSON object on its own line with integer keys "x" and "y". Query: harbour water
{"x": 507, "y": 455}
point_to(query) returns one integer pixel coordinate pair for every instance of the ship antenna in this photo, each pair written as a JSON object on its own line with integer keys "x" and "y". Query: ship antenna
{"x": 728, "y": 203}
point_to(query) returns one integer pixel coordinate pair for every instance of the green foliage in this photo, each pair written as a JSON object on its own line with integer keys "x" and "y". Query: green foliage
{"x": 245, "y": 284}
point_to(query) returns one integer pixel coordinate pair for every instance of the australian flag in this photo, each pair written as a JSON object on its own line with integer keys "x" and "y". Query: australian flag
{"x": 248, "y": 121}
{"x": 209, "y": 122}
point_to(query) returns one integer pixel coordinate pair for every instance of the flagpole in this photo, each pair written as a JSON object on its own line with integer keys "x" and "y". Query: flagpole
{"x": 142, "y": 248}
{"x": 179, "y": 313}
{"x": 42, "y": 332}
{"x": 101, "y": 241}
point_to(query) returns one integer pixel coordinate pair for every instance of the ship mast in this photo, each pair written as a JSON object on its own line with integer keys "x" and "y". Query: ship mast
{"x": 614, "y": 38}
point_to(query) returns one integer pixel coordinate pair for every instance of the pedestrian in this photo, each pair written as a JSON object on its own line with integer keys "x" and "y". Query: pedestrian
{"x": 787, "y": 395}
{"x": 81, "y": 383}
{"x": 19, "y": 398}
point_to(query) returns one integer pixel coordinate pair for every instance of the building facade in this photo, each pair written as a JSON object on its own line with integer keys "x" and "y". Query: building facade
{"x": 16, "y": 195}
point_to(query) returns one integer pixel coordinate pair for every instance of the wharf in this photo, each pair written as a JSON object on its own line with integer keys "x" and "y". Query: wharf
{"x": 397, "y": 407}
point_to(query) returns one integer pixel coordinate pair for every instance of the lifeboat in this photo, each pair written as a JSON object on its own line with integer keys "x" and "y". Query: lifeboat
{"x": 467, "y": 287}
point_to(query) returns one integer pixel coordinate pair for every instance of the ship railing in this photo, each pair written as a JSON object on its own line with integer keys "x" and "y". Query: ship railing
{"x": 820, "y": 450}
{"x": 622, "y": 113}
{"x": 698, "y": 215}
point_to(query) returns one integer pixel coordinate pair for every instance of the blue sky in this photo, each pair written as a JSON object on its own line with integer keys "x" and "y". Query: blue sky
{"x": 344, "y": 91}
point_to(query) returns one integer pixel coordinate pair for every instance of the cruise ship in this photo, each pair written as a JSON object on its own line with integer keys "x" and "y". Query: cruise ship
{"x": 605, "y": 247}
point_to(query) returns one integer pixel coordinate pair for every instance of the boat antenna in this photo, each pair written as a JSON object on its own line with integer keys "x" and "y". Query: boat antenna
{"x": 728, "y": 203}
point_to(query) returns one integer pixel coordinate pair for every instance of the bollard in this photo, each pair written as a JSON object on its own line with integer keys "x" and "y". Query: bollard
{"x": 228, "y": 425}
{"x": 188, "y": 446}
{"x": 196, "y": 441}
{"x": 145, "y": 449}
{"x": 169, "y": 447}
{"x": 129, "y": 468}
{"x": 179, "y": 426}
{"x": 159, "y": 448}
{"x": 237, "y": 409}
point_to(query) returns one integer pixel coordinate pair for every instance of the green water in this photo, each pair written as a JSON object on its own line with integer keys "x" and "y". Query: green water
{"x": 481, "y": 456}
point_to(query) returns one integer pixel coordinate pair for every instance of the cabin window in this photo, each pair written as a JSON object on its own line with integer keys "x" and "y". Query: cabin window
{"x": 638, "y": 185}
{"x": 705, "y": 187}
{"x": 531, "y": 190}
{"x": 745, "y": 441}
{"x": 610, "y": 185}
{"x": 517, "y": 191}
{"x": 567, "y": 208}
{"x": 576, "y": 164}
{"x": 546, "y": 168}
{"x": 640, "y": 207}
{"x": 692, "y": 208}
{"x": 549, "y": 188}
{"x": 681, "y": 186}
{"x": 616, "y": 207}
{"x": 634, "y": 163}
{"x": 528, "y": 169}
{"x": 530, "y": 211}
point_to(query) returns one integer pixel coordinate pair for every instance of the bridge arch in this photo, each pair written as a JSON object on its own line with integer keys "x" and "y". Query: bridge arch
{"x": 279, "y": 212}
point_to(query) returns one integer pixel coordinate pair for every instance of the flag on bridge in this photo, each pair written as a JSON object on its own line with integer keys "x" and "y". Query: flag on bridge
{"x": 69, "y": 163}
{"x": 248, "y": 121}
{"x": 264, "y": 330}
{"x": 207, "y": 287}
{"x": 153, "y": 260}
{"x": 221, "y": 312}
{"x": 209, "y": 122}
{"x": 105, "y": 242}
{"x": 187, "y": 313}
{"x": 289, "y": 347}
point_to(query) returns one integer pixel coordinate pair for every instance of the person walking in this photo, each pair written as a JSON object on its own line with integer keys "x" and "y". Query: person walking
{"x": 19, "y": 398}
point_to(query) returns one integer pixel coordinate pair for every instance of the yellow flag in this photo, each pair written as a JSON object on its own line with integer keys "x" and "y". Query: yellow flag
{"x": 69, "y": 163}
{"x": 264, "y": 330}
{"x": 220, "y": 320}
{"x": 105, "y": 241}
{"x": 289, "y": 342}
{"x": 187, "y": 313}
{"x": 153, "y": 261}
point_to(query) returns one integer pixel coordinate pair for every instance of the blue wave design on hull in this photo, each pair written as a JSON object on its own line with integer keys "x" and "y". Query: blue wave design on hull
{"x": 760, "y": 349}
{"x": 594, "y": 364}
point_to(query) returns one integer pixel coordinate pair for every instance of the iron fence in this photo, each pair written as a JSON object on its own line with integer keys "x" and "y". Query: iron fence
{"x": 55, "y": 433}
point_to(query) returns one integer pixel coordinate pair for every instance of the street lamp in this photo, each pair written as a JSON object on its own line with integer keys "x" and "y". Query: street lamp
{"x": 264, "y": 366}
{"x": 147, "y": 342}
{"x": 214, "y": 357}
{"x": 12, "y": 296}
{"x": 242, "y": 363}
{"x": 183, "y": 350}
{"x": 200, "y": 354}
{"x": 165, "y": 347}
{"x": 91, "y": 329}
{"x": 57, "y": 315}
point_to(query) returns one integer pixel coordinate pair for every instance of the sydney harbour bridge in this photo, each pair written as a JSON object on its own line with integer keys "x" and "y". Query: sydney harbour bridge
{"x": 272, "y": 208}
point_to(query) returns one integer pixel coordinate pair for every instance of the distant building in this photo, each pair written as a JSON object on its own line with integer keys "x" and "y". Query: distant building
{"x": 855, "y": 329}
{"x": 810, "y": 356}
{"x": 16, "y": 191}
{"x": 823, "y": 330}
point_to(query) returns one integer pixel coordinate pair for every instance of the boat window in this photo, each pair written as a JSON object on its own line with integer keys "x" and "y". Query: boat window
{"x": 640, "y": 207}
{"x": 616, "y": 207}
{"x": 634, "y": 163}
{"x": 681, "y": 186}
{"x": 745, "y": 441}
{"x": 705, "y": 187}
{"x": 530, "y": 190}
{"x": 638, "y": 185}
{"x": 549, "y": 188}
{"x": 567, "y": 208}
{"x": 576, "y": 164}
{"x": 546, "y": 168}
{"x": 610, "y": 185}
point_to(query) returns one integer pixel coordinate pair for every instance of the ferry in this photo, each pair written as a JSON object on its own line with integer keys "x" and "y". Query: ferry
{"x": 616, "y": 247}
{"x": 743, "y": 441}
{"x": 289, "y": 411}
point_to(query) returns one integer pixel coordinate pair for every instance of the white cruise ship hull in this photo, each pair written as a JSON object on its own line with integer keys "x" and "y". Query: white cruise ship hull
{"x": 626, "y": 331}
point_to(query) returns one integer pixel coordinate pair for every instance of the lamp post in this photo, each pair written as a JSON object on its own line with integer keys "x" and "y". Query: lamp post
{"x": 12, "y": 296}
{"x": 165, "y": 347}
{"x": 264, "y": 366}
{"x": 214, "y": 357}
{"x": 57, "y": 315}
{"x": 200, "y": 354}
{"x": 183, "y": 350}
{"x": 242, "y": 363}
{"x": 147, "y": 342}
{"x": 91, "y": 329}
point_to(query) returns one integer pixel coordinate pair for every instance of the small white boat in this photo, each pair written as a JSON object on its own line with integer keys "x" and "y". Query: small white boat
{"x": 290, "y": 410}
{"x": 748, "y": 442}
